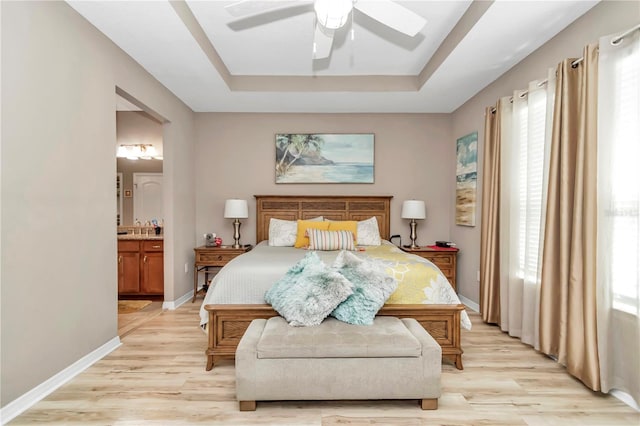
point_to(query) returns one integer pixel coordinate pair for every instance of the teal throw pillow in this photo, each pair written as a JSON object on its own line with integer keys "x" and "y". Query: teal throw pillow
{"x": 372, "y": 286}
{"x": 308, "y": 292}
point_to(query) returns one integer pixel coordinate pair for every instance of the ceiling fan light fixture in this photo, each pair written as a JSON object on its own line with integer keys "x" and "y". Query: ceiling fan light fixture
{"x": 332, "y": 14}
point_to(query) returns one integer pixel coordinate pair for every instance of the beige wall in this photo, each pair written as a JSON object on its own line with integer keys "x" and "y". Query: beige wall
{"x": 414, "y": 158}
{"x": 135, "y": 127}
{"x": 606, "y": 18}
{"x": 58, "y": 268}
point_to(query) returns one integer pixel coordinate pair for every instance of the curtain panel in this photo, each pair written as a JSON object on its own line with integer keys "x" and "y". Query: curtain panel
{"x": 618, "y": 279}
{"x": 525, "y": 156}
{"x": 568, "y": 288}
{"x": 490, "y": 218}
{"x": 587, "y": 263}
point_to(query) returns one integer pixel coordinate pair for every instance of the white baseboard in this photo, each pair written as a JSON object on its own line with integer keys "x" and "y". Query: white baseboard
{"x": 22, "y": 403}
{"x": 625, "y": 397}
{"x": 175, "y": 304}
{"x": 622, "y": 396}
{"x": 470, "y": 303}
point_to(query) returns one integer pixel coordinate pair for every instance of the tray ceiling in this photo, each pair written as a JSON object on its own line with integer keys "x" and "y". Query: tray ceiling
{"x": 213, "y": 61}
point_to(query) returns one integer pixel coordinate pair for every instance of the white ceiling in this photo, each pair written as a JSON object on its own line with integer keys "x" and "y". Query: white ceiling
{"x": 213, "y": 61}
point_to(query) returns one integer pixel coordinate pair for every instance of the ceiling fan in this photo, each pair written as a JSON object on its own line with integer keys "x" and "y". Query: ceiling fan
{"x": 333, "y": 14}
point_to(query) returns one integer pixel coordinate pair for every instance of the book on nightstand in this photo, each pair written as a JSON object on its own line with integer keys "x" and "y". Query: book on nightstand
{"x": 435, "y": 247}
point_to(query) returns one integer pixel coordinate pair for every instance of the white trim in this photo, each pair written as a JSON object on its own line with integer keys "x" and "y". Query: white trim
{"x": 470, "y": 303}
{"x": 175, "y": 304}
{"x": 622, "y": 396}
{"x": 625, "y": 397}
{"x": 24, "y": 402}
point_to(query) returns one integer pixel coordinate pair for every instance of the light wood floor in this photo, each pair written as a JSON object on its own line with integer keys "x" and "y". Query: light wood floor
{"x": 129, "y": 322}
{"x": 158, "y": 377}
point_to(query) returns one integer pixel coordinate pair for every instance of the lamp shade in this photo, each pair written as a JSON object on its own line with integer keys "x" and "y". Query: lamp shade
{"x": 413, "y": 209}
{"x": 236, "y": 209}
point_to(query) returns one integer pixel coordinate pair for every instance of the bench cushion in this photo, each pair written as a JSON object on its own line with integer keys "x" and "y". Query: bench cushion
{"x": 387, "y": 337}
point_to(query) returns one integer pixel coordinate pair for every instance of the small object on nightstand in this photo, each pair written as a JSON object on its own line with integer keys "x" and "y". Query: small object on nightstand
{"x": 445, "y": 244}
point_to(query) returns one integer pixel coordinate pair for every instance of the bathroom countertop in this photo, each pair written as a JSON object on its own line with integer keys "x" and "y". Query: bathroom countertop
{"x": 140, "y": 237}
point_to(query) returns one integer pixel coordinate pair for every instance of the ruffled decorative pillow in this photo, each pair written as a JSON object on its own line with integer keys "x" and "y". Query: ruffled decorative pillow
{"x": 372, "y": 286}
{"x": 308, "y": 292}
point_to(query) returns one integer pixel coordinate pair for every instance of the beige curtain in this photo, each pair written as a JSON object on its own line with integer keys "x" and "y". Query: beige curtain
{"x": 568, "y": 287}
{"x": 490, "y": 222}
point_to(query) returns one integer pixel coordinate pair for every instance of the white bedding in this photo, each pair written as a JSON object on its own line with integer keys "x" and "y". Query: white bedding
{"x": 246, "y": 278}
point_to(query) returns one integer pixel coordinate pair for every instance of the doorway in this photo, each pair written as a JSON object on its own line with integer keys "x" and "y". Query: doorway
{"x": 139, "y": 187}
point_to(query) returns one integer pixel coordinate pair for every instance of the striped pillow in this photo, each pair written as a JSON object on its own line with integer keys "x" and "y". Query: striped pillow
{"x": 330, "y": 240}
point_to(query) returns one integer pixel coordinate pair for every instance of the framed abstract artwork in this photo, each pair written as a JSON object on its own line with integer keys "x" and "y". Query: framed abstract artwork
{"x": 324, "y": 158}
{"x": 466, "y": 178}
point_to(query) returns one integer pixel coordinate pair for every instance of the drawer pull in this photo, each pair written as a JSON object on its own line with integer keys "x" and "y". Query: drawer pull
{"x": 219, "y": 257}
{"x": 119, "y": 259}
{"x": 155, "y": 246}
{"x": 145, "y": 259}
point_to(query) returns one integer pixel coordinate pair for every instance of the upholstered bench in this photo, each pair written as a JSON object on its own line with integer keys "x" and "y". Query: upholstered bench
{"x": 391, "y": 359}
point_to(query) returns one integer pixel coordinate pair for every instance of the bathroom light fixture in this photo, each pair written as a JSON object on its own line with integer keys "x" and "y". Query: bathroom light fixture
{"x": 413, "y": 209}
{"x": 143, "y": 151}
{"x": 236, "y": 209}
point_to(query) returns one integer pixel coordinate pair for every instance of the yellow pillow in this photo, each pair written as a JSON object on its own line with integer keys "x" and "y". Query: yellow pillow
{"x": 302, "y": 240}
{"x": 345, "y": 225}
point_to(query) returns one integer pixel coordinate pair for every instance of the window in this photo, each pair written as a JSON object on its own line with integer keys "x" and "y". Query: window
{"x": 624, "y": 200}
{"x": 531, "y": 125}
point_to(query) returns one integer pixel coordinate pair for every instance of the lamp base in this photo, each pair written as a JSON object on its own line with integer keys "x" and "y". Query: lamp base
{"x": 236, "y": 234}
{"x": 412, "y": 226}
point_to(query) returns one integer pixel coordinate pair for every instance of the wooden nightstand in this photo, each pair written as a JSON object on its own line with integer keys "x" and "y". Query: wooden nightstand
{"x": 212, "y": 257}
{"x": 444, "y": 259}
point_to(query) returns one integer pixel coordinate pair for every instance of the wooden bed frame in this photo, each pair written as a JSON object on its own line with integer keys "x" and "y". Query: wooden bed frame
{"x": 227, "y": 323}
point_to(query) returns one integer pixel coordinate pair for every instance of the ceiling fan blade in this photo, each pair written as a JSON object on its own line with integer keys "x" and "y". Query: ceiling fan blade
{"x": 322, "y": 42}
{"x": 392, "y": 15}
{"x": 244, "y": 8}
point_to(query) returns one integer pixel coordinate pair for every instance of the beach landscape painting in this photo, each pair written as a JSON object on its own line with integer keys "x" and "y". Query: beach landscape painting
{"x": 324, "y": 158}
{"x": 466, "y": 178}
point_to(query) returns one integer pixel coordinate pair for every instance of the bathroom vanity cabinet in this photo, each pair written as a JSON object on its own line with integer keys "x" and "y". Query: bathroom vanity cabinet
{"x": 140, "y": 268}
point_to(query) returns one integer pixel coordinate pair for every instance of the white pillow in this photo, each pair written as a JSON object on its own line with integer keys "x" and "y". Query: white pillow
{"x": 368, "y": 232}
{"x": 282, "y": 233}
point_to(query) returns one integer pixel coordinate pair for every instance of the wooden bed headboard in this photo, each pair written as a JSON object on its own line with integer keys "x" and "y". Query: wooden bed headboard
{"x": 338, "y": 207}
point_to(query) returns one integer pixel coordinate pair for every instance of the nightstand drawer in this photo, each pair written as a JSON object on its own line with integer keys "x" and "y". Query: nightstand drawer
{"x": 215, "y": 259}
{"x": 447, "y": 271}
{"x": 440, "y": 259}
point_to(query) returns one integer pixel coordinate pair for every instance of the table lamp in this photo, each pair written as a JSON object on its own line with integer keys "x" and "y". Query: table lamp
{"x": 413, "y": 209}
{"x": 236, "y": 209}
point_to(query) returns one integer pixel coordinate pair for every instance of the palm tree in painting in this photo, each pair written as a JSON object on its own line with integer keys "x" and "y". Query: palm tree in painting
{"x": 294, "y": 146}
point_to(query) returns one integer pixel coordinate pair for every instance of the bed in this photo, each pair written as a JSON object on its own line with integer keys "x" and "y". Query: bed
{"x": 235, "y": 297}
